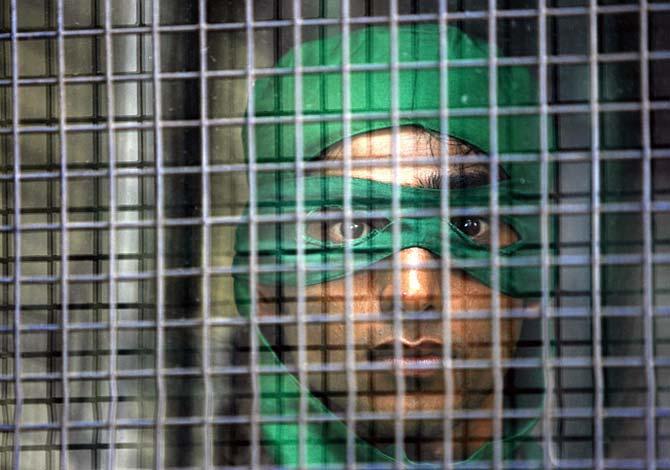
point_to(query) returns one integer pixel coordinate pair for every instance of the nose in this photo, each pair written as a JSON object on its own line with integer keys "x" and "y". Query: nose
{"x": 420, "y": 284}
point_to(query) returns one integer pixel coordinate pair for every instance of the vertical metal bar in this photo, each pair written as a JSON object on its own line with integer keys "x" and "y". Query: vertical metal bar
{"x": 143, "y": 58}
{"x": 595, "y": 237}
{"x": 16, "y": 147}
{"x": 160, "y": 236}
{"x": 97, "y": 244}
{"x": 445, "y": 260}
{"x": 399, "y": 410}
{"x": 545, "y": 303}
{"x": 350, "y": 358}
{"x": 64, "y": 238}
{"x": 253, "y": 238}
{"x": 205, "y": 246}
{"x": 111, "y": 151}
{"x": 495, "y": 240}
{"x": 647, "y": 266}
{"x": 300, "y": 230}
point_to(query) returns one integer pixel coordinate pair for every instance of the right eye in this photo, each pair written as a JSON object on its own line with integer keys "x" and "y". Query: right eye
{"x": 335, "y": 231}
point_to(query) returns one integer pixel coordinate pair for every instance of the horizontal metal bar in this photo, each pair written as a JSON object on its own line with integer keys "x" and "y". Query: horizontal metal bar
{"x": 335, "y": 367}
{"x": 285, "y": 23}
{"x": 126, "y": 170}
{"x": 526, "y": 261}
{"x": 466, "y": 414}
{"x": 137, "y": 77}
{"x": 324, "y": 118}
{"x": 325, "y": 318}
{"x": 532, "y": 261}
{"x": 530, "y": 464}
{"x": 234, "y": 220}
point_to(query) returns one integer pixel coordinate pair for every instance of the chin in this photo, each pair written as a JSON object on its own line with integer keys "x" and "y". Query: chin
{"x": 412, "y": 402}
{"x": 426, "y": 429}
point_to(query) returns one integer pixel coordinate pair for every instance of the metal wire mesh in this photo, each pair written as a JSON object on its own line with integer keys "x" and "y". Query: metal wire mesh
{"x": 129, "y": 160}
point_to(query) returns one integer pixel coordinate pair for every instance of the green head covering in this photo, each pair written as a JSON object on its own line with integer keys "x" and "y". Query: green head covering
{"x": 370, "y": 105}
{"x": 419, "y": 105}
{"x": 370, "y": 94}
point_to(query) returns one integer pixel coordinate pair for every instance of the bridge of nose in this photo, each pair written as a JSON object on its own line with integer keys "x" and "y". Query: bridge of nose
{"x": 422, "y": 233}
{"x": 420, "y": 287}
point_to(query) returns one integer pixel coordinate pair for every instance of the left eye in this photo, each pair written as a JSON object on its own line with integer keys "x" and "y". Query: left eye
{"x": 474, "y": 227}
{"x": 479, "y": 230}
{"x": 336, "y": 231}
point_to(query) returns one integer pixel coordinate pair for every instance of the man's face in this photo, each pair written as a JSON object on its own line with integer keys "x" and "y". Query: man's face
{"x": 420, "y": 291}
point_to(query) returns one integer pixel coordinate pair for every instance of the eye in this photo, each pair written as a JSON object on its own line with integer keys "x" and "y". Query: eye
{"x": 357, "y": 229}
{"x": 474, "y": 227}
{"x": 336, "y": 231}
{"x": 479, "y": 230}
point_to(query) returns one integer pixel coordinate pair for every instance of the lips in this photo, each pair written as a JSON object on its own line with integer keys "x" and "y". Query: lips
{"x": 420, "y": 358}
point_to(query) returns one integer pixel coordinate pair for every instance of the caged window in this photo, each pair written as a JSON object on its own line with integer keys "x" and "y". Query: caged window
{"x": 334, "y": 234}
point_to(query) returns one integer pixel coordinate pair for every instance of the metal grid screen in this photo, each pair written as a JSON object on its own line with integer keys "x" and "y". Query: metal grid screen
{"x": 174, "y": 295}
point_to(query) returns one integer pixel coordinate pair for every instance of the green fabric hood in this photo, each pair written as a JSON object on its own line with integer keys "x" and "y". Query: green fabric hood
{"x": 370, "y": 105}
{"x": 418, "y": 95}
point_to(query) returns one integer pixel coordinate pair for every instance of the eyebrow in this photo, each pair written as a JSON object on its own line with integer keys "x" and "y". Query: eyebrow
{"x": 456, "y": 181}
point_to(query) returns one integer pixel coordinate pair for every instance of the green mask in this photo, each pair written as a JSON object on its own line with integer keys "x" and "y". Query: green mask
{"x": 372, "y": 239}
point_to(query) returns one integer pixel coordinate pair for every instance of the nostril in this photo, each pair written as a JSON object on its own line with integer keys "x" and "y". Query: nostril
{"x": 420, "y": 296}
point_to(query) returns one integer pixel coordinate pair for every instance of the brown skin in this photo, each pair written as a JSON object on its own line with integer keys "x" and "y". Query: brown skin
{"x": 420, "y": 291}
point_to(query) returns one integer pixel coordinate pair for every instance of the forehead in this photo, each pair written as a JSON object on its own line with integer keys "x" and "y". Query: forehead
{"x": 418, "y": 153}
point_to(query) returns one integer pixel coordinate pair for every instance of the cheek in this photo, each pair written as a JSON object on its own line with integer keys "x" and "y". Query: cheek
{"x": 468, "y": 294}
{"x": 326, "y": 341}
{"x": 330, "y": 298}
{"x": 476, "y": 336}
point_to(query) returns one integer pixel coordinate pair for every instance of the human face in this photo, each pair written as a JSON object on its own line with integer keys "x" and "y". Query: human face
{"x": 420, "y": 291}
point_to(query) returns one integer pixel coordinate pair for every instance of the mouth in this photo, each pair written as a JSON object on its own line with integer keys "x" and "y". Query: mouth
{"x": 421, "y": 358}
